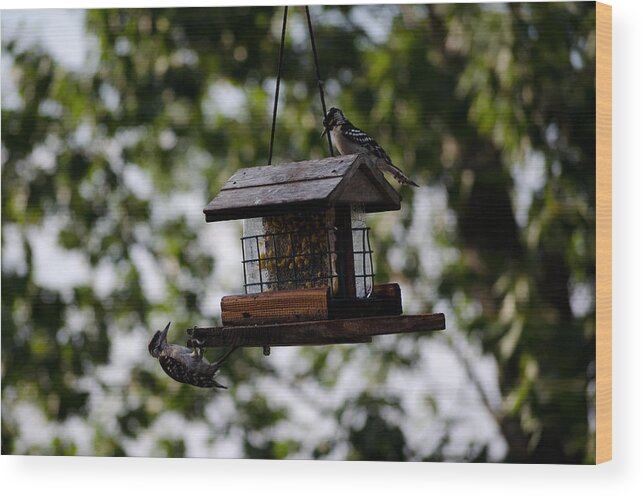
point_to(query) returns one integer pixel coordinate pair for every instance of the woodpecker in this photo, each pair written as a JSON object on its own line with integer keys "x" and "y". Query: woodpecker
{"x": 184, "y": 364}
{"x": 350, "y": 139}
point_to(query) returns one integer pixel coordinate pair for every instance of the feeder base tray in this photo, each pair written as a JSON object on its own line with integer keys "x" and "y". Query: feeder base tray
{"x": 312, "y": 333}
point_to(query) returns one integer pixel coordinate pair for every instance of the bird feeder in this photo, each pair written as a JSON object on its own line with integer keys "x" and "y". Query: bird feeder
{"x": 306, "y": 257}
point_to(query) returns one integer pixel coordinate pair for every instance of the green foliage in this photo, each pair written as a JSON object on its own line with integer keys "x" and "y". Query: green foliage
{"x": 491, "y": 106}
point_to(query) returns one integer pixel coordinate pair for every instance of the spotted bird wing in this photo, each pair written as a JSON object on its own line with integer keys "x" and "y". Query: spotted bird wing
{"x": 177, "y": 371}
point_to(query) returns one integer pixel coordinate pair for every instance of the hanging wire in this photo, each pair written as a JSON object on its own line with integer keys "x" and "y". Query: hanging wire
{"x": 319, "y": 79}
{"x": 320, "y": 84}
{"x": 274, "y": 110}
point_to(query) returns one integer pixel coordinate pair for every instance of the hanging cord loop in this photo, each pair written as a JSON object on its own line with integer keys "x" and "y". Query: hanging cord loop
{"x": 274, "y": 109}
{"x": 319, "y": 79}
{"x": 320, "y": 84}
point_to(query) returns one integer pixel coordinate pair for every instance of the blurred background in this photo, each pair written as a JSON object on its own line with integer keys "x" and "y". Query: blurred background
{"x": 118, "y": 126}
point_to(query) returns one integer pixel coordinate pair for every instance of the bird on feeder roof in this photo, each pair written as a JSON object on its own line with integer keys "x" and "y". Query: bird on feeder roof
{"x": 350, "y": 139}
{"x": 186, "y": 365}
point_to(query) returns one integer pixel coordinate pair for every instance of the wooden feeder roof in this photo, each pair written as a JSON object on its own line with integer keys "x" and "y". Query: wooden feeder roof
{"x": 311, "y": 185}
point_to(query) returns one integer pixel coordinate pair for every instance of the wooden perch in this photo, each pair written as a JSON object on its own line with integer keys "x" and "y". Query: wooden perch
{"x": 313, "y": 333}
{"x": 273, "y": 307}
{"x": 305, "y": 305}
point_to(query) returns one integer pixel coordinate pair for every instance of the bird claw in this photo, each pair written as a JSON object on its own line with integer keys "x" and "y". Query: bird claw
{"x": 198, "y": 349}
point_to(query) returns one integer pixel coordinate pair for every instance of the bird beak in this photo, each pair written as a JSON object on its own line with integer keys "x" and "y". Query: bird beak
{"x": 323, "y": 132}
{"x": 165, "y": 331}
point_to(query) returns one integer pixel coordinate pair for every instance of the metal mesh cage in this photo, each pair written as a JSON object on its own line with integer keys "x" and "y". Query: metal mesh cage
{"x": 300, "y": 250}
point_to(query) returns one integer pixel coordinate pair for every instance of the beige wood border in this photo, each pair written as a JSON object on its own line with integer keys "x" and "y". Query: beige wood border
{"x": 603, "y": 232}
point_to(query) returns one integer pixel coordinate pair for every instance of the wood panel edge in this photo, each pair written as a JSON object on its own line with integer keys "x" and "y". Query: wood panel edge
{"x": 603, "y": 232}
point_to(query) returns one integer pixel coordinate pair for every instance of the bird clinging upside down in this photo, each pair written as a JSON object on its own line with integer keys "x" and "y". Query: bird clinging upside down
{"x": 184, "y": 364}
